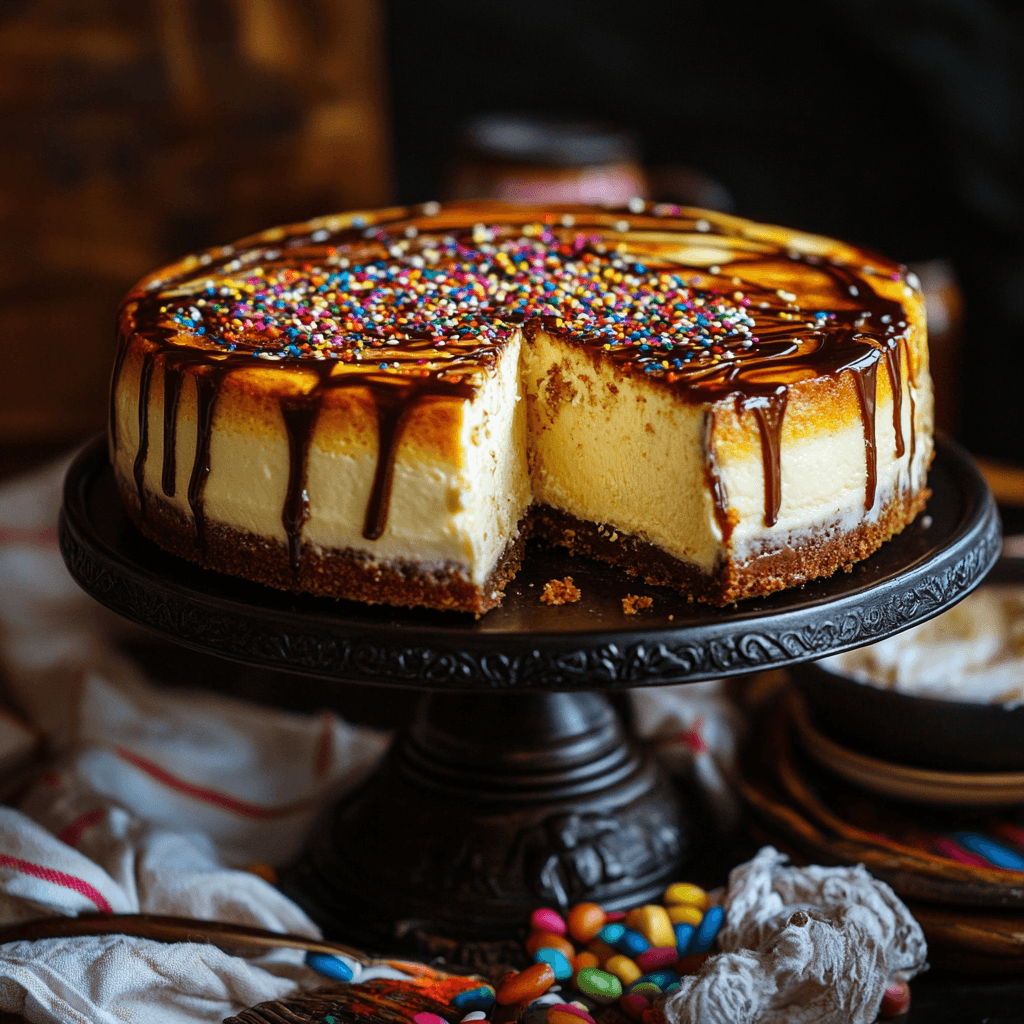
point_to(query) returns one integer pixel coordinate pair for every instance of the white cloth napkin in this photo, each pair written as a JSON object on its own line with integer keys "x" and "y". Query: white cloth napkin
{"x": 158, "y": 797}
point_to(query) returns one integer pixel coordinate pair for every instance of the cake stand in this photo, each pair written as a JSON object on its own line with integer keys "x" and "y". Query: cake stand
{"x": 516, "y": 783}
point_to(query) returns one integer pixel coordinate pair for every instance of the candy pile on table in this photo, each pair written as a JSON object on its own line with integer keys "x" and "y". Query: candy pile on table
{"x": 632, "y": 962}
{"x": 627, "y": 957}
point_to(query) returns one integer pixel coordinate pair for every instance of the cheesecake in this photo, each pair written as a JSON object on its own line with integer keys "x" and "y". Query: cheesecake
{"x": 383, "y": 406}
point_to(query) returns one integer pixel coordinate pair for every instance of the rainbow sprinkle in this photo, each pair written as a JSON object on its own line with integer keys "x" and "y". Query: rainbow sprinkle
{"x": 478, "y": 285}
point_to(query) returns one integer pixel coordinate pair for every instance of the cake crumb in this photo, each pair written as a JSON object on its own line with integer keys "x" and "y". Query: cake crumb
{"x": 560, "y": 592}
{"x": 633, "y": 603}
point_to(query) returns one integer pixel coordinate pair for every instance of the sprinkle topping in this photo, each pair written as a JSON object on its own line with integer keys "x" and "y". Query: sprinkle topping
{"x": 410, "y": 297}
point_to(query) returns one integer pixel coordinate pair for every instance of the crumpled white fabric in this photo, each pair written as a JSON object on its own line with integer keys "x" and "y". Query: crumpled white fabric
{"x": 811, "y": 945}
{"x": 160, "y": 796}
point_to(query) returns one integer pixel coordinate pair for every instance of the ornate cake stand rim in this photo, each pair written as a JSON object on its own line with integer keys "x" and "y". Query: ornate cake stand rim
{"x": 459, "y": 658}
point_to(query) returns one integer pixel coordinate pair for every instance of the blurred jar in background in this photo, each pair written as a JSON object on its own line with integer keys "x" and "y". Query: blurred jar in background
{"x": 523, "y": 159}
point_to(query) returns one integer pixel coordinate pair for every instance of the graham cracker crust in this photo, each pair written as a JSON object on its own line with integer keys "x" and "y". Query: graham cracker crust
{"x": 820, "y": 554}
{"x": 355, "y": 576}
{"x": 341, "y": 574}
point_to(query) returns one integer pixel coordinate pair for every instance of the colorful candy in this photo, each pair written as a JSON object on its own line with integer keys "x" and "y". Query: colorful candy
{"x": 568, "y": 1013}
{"x": 684, "y": 934}
{"x": 584, "y": 959}
{"x": 549, "y": 940}
{"x": 600, "y": 949}
{"x": 329, "y": 966}
{"x": 657, "y": 956}
{"x": 653, "y": 923}
{"x": 632, "y": 943}
{"x": 708, "y": 930}
{"x": 685, "y": 914}
{"x": 526, "y": 985}
{"x": 688, "y": 894}
{"x": 659, "y": 978}
{"x": 558, "y": 961}
{"x": 599, "y": 985}
{"x": 645, "y": 988}
{"x": 896, "y": 1000}
{"x": 475, "y": 999}
{"x": 611, "y": 933}
{"x": 543, "y": 919}
{"x": 426, "y": 1017}
{"x": 584, "y": 921}
{"x": 631, "y": 957}
{"x": 623, "y": 968}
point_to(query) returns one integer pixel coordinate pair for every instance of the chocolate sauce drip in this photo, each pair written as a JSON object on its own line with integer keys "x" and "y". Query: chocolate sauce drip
{"x": 207, "y": 387}
{"x": 892, "y": 364}
{"x": 867, "y": 380}
{"x": 299, "y": 417}
{"x": 172, "y": 396}
{"x": 389, "y": 422}
{"x": 769, "y": 411}
{"x": 139, "y": 466}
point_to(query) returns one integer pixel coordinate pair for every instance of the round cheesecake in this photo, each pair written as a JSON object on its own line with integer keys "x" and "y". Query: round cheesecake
{"x": 383, "y": 406}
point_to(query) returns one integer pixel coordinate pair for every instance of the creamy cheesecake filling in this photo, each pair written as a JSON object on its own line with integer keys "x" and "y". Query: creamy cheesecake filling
{"x": 607, "y": 450}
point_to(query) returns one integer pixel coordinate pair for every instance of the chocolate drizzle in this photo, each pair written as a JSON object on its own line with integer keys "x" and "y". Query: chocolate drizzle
{"x": 853, "y": 333}
{"x": 207, "y": 386}
{"x": 866, "y": 381}
{"x": 299, "y": 418}
{"x": 172, "y": 396}
{"x": 768, "y": 410}
{"x": 892, "y": 365}
{"x": 139, "y": 466}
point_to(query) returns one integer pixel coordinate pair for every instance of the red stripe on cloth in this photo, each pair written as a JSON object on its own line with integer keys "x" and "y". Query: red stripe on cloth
{"x": 80, "y": 885}
{"x": 205, "y": 794}
{"x": 323, "y": 745}
{"x": 72, "y": 833}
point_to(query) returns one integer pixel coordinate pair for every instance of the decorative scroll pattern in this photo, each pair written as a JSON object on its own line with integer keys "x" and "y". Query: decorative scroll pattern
{"x": 259, "y": 637}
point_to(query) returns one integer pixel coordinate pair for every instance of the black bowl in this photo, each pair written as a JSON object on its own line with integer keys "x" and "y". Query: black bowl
{"x": 924, "y": 732}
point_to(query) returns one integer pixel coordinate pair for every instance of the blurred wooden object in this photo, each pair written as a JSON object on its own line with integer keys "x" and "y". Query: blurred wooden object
{"x": 1006, "y": 482}
{"x": 134, "y": 133}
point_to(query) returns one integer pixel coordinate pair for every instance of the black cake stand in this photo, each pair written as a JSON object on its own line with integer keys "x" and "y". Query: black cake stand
{"x": 516, "y": 783}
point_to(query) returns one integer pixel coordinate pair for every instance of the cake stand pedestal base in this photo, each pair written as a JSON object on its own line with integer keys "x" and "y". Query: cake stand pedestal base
{"x": 486, "y": 807}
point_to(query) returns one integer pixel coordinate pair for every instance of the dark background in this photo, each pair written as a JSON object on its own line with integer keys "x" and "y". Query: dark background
{"x": 132, "y": 131}
{"x": 896, "y": 124}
